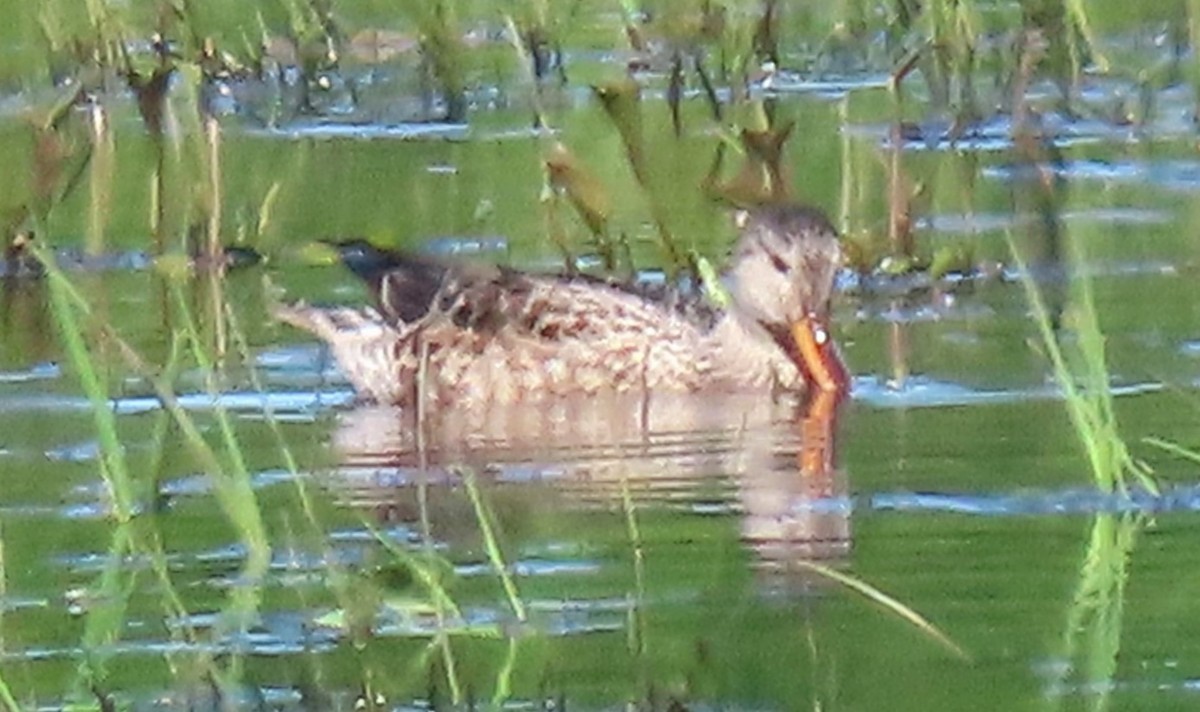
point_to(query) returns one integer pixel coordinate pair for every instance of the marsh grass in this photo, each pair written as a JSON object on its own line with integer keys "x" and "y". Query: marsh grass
{"x": 357, "y": 602}
{"x": 87, "y": 336}
{"x": 939, "y": 39}
{"x": 429, "y": 572}
{"x": 68, "y": 306}
{"x": 1091, "y": 638}
{"x": 443, "y": 51}
{"x": 636, "y": 640}
{"x": 132, "y": 534}
{"x": 622, "y": 103}
{"x": 887, "y": 603}
{"x": 1080, "y": 368}
{"x": 485, "y": 519}
{"x": 88, "y": 339}
{"x": 567, "y": 177}
{"x": 226, "y": 465}
{"x": 1071, "y": 338}
{"x": 232, "y": 483}
{"x": 187, "y": 199}
{"x": 6, "y": 696}
{"x": 536, "y": 27}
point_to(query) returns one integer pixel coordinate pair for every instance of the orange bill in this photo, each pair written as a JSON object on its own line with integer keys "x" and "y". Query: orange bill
{"x": 819, "y": 359}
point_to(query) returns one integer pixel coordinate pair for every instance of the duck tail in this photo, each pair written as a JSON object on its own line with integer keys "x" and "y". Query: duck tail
{"x": 330, "y": 324}
{"x": 303, "y": 317}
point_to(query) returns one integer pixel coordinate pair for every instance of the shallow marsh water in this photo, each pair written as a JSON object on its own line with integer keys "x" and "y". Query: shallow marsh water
{"x": 664, "y": 570}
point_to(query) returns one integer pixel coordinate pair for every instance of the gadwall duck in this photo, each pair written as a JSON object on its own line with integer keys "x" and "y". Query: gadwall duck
{"x": 470, "y": 335}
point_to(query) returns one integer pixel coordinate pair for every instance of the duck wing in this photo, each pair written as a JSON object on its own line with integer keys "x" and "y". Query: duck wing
{"x": 478, "y": 297}
{"x": 487, "y": 299}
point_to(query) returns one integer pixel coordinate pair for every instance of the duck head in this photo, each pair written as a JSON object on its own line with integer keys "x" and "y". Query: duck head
{"x": 782, "y": 277}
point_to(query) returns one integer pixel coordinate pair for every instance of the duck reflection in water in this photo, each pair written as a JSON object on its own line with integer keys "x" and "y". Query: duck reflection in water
{"x": 608, "y": 383}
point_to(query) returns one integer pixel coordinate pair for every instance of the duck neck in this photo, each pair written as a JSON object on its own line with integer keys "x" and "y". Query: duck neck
{"x": 746, "y": 353}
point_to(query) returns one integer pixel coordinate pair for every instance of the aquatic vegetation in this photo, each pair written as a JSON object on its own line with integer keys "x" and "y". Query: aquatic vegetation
{"x": 1079, "y": 362}
{"x": 444, "y": 52}
{"x": 183, "y": 523}
{"x": 1080, "y": 369}
{"x": 621, "y": 100}
{"x": 488, "y": 529}
{"x": 566, "y": 176}
{"x": 1092, "y": 631}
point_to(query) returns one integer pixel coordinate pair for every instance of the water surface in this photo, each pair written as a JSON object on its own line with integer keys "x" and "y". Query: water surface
{"x": 654, "y": 561}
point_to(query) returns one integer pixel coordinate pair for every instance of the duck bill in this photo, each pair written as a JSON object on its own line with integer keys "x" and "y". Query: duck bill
{"x": 819, "y": 360}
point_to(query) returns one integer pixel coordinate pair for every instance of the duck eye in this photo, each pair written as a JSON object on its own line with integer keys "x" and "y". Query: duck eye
{"x": 778, "y": 263}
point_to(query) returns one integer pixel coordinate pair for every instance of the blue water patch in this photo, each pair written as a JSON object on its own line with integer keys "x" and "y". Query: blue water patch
{"x": 532, "y": 567}
{"x": 1177, "y": 175}
{"x": 44, "y": 371}
{"x": 454, "y": 246}
{"x": 76, "y": 452}
{"x": 914, "y": 392}
{"x": 925, "y": 392}
{"x": 1084, "y": 169}
{"x": 968, "y": 224}
{"x": 307, "y": 357}
{"x": 785, "y": 82}
{"x": 201, "y": 485}
{"x": 248, "y": 403}
{"x": 75, "y": 260}
{"x": 332, "y": 130}
{"x": 1051, "y": 273}
{"x": 940, "y": 307}
{"x": 1081, "y": 500}
{"x": 995, "y": 133}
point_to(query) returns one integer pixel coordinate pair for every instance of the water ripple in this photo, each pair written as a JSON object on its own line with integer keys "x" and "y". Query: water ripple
{"x": 1081, "y": 500}
{"x": 365, "y": 131}
{"x": 924, "y": 392}
{"x": 44, "y": 371}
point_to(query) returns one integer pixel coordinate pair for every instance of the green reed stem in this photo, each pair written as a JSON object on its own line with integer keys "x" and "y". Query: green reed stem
{"x": 238, "y": 503}
{"x": 425, "y": 574}
{"x": 887, "y": 602}
{"x": 106, "y": 613}
{"x": 504, "y": 677}
{"x": 1086, "y": 390}
{"x": 440, "y": 602}
{"x": 106, "y": 619}
{"x": 1078, "y": 13}
{"x": 637, "y": 631}
{"x": 237, "y": 498}
{"x": 483, "y": 516}
{"x": 1092, "y": 630}
{"x": 67, "y": 303}
{"x": 524, "y": 60}
{"x": 6, "y": 697}
{"x": 289, "y": 458}
{"x": 621, "y": 101}
{"x": 102, "y": 170}
{"x": 1174, "y": 449}
{"x": 151, "y": 542}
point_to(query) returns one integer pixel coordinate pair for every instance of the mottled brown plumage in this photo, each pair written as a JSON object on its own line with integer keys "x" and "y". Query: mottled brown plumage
{"x": 472, "y": 335}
